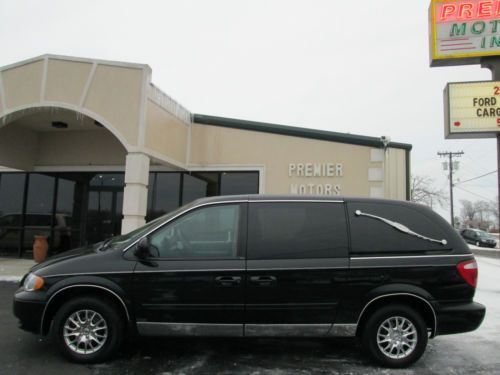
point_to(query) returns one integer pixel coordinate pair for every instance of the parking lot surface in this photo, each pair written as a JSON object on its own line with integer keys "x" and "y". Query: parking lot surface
{"x": 470, "y": 353}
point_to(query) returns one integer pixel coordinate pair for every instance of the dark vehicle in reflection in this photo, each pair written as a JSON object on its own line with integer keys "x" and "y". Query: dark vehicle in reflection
{"x": 393, "y": 274}
{"x": 478, "y": 237}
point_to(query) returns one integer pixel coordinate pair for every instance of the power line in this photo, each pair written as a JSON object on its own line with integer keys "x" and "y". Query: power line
{"x": 477, "y": 195}
{"x": 475, "y": 178}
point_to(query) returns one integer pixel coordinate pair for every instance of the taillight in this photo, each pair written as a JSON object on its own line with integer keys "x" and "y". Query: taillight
{"x": 468, "y": 271}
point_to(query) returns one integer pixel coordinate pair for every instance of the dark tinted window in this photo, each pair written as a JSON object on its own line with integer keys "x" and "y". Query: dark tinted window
{"x": 163, "y": 195}
{"x": 296, "y": 230}
{"x": 371, "y": 235}
{"x": 40, "y": 194}
{"x": 239, "y": 183}
{"x": 11, "y": 193}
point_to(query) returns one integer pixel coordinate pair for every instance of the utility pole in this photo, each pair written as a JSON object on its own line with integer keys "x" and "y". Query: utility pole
{"x": 450, "y": 156}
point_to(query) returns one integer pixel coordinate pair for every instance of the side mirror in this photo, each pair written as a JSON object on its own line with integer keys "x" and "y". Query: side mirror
{"x": 142, "y": 249}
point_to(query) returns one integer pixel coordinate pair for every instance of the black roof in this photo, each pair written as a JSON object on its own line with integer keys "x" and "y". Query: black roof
{"x": 296, "y": 131}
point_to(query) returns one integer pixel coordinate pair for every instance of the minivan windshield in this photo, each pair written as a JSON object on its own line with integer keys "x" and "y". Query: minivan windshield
{"x": 137, "y": 233}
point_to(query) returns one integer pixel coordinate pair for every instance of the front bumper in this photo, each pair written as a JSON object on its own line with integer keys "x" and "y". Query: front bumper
{"x": 458, "y": 318}
{"x": 28, "y": 307}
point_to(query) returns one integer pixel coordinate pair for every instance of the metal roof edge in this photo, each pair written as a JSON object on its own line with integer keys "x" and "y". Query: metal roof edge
{"x": 296, "y": 131}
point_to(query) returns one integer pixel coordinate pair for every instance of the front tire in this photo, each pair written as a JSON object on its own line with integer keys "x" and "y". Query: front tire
{"x": 395, "y": 336}
{"x": 88, "y": 330}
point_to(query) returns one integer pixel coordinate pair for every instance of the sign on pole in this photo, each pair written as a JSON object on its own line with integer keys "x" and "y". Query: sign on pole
{"x": 472, "y": 109}
{"x": 463, "y": 31}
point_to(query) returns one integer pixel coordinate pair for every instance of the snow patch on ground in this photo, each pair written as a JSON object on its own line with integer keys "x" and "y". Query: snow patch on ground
{"x": 12, "y": 279}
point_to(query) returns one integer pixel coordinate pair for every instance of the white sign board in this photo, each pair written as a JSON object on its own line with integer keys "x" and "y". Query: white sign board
{"x": 472, "y": 109}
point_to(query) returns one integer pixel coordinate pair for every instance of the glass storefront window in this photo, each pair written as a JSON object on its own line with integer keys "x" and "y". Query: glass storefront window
{"x": 239, "y": 183}
{"x": 78, "y": 208}
{"x": 164, "y": 191}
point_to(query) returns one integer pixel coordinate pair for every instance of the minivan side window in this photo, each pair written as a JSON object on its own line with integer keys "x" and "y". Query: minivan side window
{"x": 372, "y": 236}
{"x": 296, "y": 230}
{"x": 206, "y": 233}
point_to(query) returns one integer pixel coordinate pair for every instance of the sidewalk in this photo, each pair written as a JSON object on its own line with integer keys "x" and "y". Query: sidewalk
{"x": 13, "y": 269}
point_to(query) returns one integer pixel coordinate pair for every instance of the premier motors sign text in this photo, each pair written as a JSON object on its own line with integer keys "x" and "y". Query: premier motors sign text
{"x": 316, "y": 172}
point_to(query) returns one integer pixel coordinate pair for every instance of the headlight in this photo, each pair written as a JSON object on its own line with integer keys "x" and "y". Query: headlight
{"x": 33, "y": 282}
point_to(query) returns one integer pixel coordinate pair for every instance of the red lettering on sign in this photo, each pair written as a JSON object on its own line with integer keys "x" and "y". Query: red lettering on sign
{"x": 456, "y": 123}
{"x": 447, "y": 10}
{"x": 467, "y": 10}
{"x": 485, "y": 9}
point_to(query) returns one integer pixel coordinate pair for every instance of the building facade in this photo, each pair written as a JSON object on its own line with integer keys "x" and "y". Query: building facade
{"x": 91, "y": 149}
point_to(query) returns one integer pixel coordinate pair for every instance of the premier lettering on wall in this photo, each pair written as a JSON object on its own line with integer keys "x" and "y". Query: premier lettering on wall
{"x": 315, "y": 178}
{"x": 463, "y": 31}
{"x": 472, "y": 109}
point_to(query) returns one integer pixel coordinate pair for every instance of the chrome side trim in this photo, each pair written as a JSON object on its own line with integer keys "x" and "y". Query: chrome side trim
{"x": 413, "y": 256}
{"x": 85, "y": 286}
{"x": 401, "y": 294}
{"x": 89, "y": 273}
{"x": 343, "y": 330}
{"x": 295, "y": 200}
{"x": 285, "y": 330}
{"x": 189, "y": 329}
{"x": 193, "y": 270}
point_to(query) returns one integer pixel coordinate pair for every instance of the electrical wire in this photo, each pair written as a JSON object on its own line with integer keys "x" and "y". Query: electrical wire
{"x": 475, "y": 178}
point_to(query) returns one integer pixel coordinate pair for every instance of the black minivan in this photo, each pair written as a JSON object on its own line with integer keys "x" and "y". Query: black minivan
{"x": 389, "y": 272}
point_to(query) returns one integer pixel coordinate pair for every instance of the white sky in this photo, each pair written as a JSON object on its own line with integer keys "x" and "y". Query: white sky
{"x": 353, "y": 66}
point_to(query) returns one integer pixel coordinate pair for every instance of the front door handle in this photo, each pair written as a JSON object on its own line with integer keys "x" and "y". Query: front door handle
{"x": 228, "y": 280}
{"x": 263, "y": 280}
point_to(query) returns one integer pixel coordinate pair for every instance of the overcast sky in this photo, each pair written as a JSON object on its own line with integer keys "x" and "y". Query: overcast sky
{"x": 360, "y": 67}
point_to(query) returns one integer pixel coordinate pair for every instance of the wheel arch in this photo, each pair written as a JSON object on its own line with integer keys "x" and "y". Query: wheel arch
{"x": 67, "y": 292}
{"x": 419, "y": 303}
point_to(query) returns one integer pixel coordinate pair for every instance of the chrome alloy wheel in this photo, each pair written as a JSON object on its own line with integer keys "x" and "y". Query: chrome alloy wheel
{"x": 397, "y": 337}
{"x": 85, "y": 331}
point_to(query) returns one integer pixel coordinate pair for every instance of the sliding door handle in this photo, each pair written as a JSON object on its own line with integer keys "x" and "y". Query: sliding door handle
{"x": 228, "y": 280}
{"x": 263, "y": 280}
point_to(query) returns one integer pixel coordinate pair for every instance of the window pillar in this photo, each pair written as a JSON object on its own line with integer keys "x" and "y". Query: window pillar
{"x": 135, "y": 194}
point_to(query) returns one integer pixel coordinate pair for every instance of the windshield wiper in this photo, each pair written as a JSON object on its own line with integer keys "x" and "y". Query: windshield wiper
{"x": 402, "y": 228}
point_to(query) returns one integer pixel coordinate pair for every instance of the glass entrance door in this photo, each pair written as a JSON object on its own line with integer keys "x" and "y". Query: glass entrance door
{"x": 104, "y": 208}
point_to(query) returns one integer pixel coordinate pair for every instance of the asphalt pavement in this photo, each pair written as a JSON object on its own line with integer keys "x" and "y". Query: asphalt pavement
{"x": 470, "y": 353}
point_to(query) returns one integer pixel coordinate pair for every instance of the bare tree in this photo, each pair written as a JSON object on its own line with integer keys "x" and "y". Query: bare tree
{"x": 422, "y": 191}
{"x": 476, "y": 214}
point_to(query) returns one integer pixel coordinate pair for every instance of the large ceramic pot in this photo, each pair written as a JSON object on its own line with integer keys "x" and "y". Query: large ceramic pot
{"x": 40, "y": 247}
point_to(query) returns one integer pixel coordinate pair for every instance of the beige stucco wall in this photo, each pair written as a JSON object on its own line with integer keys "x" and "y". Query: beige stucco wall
{"x": 225, "y": 147}
{"x": 79, "y": 148}
{"x": 111, "y": 93}
{"x": 66, "y": 81}
{"x": 142, "y": 119}
{"x": 18, "y": 147}
{"x": 165, "y": 134}
{"x": 115, "y": 94}
{"x": 22, "y": 85}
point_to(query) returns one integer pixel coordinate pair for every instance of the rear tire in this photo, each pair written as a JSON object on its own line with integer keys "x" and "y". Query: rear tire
{"x": 88, "y": 330}
{"x": 395, "y": 336}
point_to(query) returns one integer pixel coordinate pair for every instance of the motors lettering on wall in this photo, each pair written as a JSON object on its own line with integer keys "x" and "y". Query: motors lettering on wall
{"x": 315, "y": 170}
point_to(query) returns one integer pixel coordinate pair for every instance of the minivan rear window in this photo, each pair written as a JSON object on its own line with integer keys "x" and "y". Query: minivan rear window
{"x": 370, "y": 235}
{"x": 293, "y": 230}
